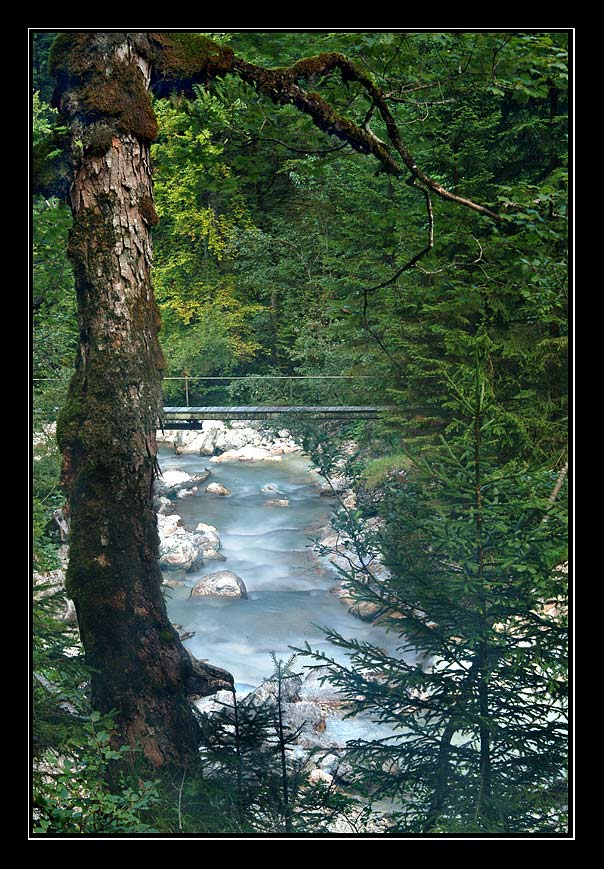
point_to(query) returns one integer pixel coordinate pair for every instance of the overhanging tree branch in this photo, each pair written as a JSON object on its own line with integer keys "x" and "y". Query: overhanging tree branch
{"x": 182, "y": 59}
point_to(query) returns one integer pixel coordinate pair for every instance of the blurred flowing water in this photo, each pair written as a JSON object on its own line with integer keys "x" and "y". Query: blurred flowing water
{"x": 270, "y": 548}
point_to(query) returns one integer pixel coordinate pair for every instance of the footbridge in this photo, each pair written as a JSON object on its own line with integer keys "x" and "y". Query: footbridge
{"x": 291, "y": 396}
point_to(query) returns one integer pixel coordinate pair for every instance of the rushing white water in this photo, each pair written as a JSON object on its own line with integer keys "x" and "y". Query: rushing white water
{"x": 270, "y": 548}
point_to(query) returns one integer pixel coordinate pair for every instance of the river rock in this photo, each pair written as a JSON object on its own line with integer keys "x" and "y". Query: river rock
{"x": 320, "y": 775}
{"x": 304, "y": 716}
{"x": 278, "y": 448}
{"x": 206, "y": 529}
{"x": 223, "y": 583}
{"x": 329, "y": 763}
{"x": 218, "y": 489}
{"x": 189, "y": 442}
{"x": 279, "y": 502}
{"x": 365, "y": 610}
{"x": 296, "y": 757}
{"x": 174, "y": 481}
{"x": 179, "y": 552}
{"x": 213, "y": 555}
{"x": 178, "y": 548}
{"x": 271, "y": 489}
{"x": 207, "y": 536}
{"x": 187, "y": 493}
{"x": 162, "y": 505}
{"x": 267, "y": 692}
{"x": 169, "y": 525}
{"x": 235, "y": 439}
{"x": 246, "y": 454}
{"x": 215, "y": 702}
{"x": 337, "y": 484}
{"x": 312, "y": 689}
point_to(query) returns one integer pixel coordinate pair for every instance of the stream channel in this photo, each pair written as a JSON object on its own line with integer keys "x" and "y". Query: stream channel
{"x": 271, "y": 549}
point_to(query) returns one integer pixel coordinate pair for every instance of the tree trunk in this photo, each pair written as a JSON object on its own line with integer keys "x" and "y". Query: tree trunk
{"x": 106, "y": 430}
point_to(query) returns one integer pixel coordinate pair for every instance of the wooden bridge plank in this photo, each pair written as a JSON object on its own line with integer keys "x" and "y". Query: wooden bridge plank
{"x": 193, "y": 417}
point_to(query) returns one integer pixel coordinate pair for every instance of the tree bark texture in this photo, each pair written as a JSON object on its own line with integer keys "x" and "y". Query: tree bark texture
{"x": 106, "y": 430}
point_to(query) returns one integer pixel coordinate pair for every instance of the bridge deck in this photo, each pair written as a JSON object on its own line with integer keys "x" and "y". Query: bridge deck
{"x": 192, "y": 417}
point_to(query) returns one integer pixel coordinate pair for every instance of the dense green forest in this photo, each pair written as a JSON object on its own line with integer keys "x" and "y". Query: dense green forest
{"x": 280, "y": 248}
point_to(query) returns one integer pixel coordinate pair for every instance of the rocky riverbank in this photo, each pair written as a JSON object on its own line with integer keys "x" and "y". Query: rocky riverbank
{"x": 239, "y": 441}
{"x": 359, "y": 557}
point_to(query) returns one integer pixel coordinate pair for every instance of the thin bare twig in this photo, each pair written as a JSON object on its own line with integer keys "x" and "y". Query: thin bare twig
{"x": 307, "y": 151}
{"x": 556, "y": 490}
{"x": 182, "y": 782}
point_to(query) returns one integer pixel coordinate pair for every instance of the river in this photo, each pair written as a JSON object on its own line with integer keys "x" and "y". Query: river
{"x": 271, "y": 549}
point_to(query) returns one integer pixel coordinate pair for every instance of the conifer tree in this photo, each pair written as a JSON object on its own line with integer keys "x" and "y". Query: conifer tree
{"x": 247, "y": 749}
{"x": 477, "y": 590}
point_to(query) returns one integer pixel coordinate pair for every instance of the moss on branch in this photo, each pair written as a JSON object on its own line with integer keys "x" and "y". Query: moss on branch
{"x": 181, "y": 59}
{"x": 105, "y": 86}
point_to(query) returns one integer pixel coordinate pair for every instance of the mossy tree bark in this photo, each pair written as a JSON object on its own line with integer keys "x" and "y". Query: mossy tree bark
{"x": 106, "y": 430}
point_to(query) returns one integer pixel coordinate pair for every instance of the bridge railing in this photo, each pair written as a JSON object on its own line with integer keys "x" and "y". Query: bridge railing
{"x": 268, "y": 389}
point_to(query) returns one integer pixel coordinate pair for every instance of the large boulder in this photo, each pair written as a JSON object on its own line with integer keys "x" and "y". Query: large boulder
{"x": 179, "y": 552}
{"x": 213, "y": 555}
{"x": 268, "y": 691}
{"x": 188, "y": 442}
{"x": 208, "y": 535}
{"x": 316, "y": 686}
{"x": 214, "y": 437}
{"x": 210, "y": 704}
{"x": 218, "y": 489}
{"x": 304, "y": 716}
{"x": 168, "y": 525}
{"x": 178, "y": 548}
{"x": 236, "y": 438}
{"x": 247, "y": 454}
{"x": 173, "y": 483}
{"x": 223, "y": 583}
{"x": 336, "y": 485}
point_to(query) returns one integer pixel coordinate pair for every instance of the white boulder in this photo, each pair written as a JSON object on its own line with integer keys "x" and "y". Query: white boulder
{"x": 248, "y": 453}
{"x": 179, "y": 552}
{"x": 213, "y": 555}
{"x": 188, "y": 442}
{"x": 223, "y": 583}
{"x": 178, "y": 548}
{"x": 162, "y": 504}
{"x": 215, "y": 702}
{"x": 218, "y": 489}
{"x": 304, "y": 715}
{"x": 207, "y": 536}
{"x": 169, "y": 525}
{"x": 172, "y": 482}
{"x": 320, "y": 775}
